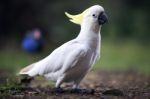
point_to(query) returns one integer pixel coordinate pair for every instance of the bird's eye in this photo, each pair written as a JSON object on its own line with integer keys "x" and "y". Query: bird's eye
{"x": 93, "y": 15}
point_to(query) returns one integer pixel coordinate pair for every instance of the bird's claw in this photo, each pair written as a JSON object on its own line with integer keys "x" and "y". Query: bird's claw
{"x": 59, "y": 90}
{"x": 76, "y": 90}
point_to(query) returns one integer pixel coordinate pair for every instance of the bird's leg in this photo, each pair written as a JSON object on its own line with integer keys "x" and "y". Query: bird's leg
{"x": 58, "y": 84}
{"x": 76, "y": 88}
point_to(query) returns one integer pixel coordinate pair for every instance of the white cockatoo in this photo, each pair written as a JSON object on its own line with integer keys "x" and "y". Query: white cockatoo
{"x": 71, "y": 61}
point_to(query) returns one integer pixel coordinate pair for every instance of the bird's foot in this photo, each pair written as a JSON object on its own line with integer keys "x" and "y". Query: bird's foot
{"x": 59, "y": 90}
{"x": 82, "y": 91}
{"x": 77, "y": 90}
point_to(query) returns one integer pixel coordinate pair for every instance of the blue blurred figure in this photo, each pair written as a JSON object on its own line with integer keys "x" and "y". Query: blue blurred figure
{"x": 33, "y": 42}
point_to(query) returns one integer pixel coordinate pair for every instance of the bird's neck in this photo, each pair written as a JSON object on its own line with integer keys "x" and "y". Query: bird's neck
{"x": 90, "y": 34}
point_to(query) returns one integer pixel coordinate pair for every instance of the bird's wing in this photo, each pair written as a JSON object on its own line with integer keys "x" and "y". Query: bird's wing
{"x": 72, "y": 56}
{"x": 51, "y": 63}
{"x": 76, "y": 53}
{"x": 62, "y": 58}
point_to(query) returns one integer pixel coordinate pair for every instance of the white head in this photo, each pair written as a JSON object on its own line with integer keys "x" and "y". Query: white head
{"x": 92, "y": 17}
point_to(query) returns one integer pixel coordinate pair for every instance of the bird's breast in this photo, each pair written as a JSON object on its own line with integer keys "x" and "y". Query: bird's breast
{"x": 81, "y": 68}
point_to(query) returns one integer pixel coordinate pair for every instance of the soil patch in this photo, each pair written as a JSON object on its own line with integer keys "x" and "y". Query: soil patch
{"x": 99, "y": 85}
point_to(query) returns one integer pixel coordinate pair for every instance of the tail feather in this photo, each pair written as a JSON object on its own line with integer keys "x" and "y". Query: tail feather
{"x": 25, "y": 70}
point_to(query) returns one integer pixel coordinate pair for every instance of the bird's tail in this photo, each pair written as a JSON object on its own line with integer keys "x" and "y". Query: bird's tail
{"x": 25, "y": 70}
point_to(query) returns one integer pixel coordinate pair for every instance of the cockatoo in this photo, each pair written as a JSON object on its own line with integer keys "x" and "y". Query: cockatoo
{"x": 71, "y": 61}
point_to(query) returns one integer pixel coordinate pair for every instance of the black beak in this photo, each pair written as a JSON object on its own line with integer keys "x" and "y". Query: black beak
{"x": 102, "y": 18}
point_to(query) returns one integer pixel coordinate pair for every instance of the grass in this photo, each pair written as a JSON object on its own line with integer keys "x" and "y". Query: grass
{"x": 114, "y": 57}
{"x": 14, "y": 60}
{"x": 124, "y": 56}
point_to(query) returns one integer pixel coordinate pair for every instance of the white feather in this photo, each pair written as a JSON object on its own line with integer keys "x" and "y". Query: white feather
{"x": 72, "y": 60}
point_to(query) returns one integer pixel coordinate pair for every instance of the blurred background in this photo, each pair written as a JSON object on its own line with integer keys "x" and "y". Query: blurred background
{"x": 125, "y": 38}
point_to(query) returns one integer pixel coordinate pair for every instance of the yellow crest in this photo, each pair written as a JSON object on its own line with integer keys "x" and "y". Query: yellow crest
{"x": 77, "y": 19}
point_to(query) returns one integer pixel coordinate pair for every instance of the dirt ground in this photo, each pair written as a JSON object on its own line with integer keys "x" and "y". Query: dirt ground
{"x": 99, "y": 85}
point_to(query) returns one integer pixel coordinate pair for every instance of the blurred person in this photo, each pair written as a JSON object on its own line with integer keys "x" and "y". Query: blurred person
{"x": 33, "y": 42}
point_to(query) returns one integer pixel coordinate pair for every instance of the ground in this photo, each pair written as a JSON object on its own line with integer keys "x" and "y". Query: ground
{"x": 97, "y": 85}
